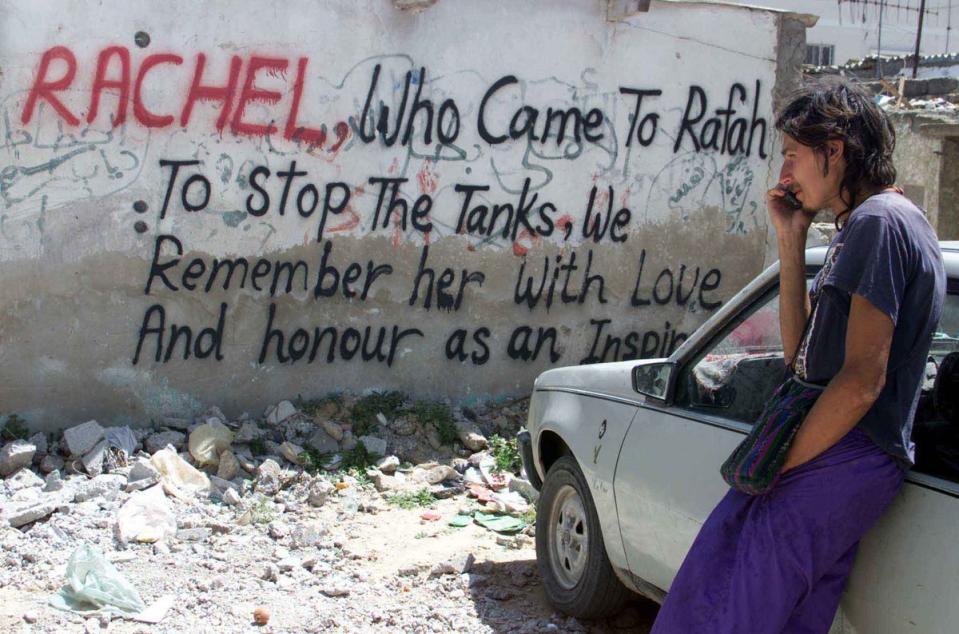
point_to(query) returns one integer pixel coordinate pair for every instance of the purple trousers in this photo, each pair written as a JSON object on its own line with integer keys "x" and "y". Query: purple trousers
{"x": 777, "y": 563}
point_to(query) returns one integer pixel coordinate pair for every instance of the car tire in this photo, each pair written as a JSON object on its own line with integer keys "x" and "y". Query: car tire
{"x": 570, "y": 551}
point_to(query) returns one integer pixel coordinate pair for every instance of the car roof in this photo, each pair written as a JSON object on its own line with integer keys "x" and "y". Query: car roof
{"x": 815, "y": 256}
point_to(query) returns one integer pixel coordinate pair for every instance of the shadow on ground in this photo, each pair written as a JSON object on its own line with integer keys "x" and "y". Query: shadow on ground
{"x": 509, "y": 597}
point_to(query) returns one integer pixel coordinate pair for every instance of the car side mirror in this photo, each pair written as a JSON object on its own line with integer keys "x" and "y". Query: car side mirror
{"x": 652, "y": 379}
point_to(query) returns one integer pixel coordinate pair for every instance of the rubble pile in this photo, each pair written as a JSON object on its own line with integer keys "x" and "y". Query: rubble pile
{"x": 218, "y": 523}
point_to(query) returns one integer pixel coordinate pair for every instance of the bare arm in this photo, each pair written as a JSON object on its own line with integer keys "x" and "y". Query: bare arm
{"x": 853, "y": 390}
{"x": 794, "y": 305}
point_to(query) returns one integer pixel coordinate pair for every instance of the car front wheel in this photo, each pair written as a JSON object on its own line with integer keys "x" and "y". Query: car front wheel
{"x": 570, "y": 552}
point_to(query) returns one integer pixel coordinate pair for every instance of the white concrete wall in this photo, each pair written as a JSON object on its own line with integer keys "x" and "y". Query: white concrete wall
{"x": 88, "y": 303}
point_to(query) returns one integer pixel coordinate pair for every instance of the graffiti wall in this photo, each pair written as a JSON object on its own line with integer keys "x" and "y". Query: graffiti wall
{"x": 243, "y": 204}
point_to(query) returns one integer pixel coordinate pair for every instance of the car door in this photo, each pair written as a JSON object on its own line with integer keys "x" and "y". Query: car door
{"x": 667, "y": 479}
{"x": 906, "y": 575}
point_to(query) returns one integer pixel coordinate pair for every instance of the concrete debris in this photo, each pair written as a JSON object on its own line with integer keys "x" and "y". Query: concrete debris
{"x": 50, "y": 463}
{"x": 18, "y": 515}
{"x": 16, "y": 455}
{"x": 23, "y": 479}
{"x": 374, "y": 446}
{"x": 280, "y": 412}
{"x": 93, "y": 459}
{"x": 470, "y": 435}
{"x": 181, "y": 525}
{"x": 388, "y": 465}
{"x": 39, "y": 440}
{"x": 181, "y": 424}
{"x": 83, "y": 438}
{"x": 107, "y": 485}
{"x": 228, "y": 467}
{"x": 247, "y": 433}
{"x": 156, "y": 442}
{"x": 291, "y": 452}
{"x": 323, "y": 443}
{"x": 333, "y": 430}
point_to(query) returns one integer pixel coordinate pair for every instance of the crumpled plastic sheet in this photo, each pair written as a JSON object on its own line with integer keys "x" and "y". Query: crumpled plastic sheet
{"x": 179, "y": 478}
{"x": 94, "y": 585}
{"x": 147, "y": 517}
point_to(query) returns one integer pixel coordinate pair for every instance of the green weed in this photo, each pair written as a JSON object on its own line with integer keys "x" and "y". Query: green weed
{"x": 439, "y": 416}
{"x": 258, "y": 447}
{"x": 411, "y": 500}
{"x": 506, "y": 454}
{"x": 364, "y": 411}
{"x": 14, "y": 429}
{"x": 314, "y": 406}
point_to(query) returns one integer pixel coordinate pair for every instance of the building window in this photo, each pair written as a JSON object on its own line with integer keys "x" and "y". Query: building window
{"x": 820, "y": 54}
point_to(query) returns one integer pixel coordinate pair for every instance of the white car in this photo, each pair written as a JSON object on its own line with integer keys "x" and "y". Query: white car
{"x": 627, "y": 455}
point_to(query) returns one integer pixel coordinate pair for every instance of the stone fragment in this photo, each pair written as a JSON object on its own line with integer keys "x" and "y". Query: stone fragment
{"x": 470, "y": 435}
{"x": 15, "y": 455}
{"x": 349, "y": 442}
{"x": 39, "y": 440}
{"x": 93, "y": 459}
{"x": 403, "y": 427}
{"x": 278, "y": 530}
{"x": 23, "y": 514}
{"x": 433, "y": 438}
{"x": 156, "y": 442}
{"x": 320, "y": 490}
{"x": 291, "y": 452}
{"x": 193, "y": 534}
{"x": 23, "y": 479}
{"x": 336, "y": 588}
{"x": 388, "y": 465}
{"x": 269, "y": 477}
{"x": 437, "y": 474}
{"x": 50, "y": 463}
{"x": 106, "y": 485}
{"x": 307, "y": 536}
{"x": 172, "y": 422}
{"x": 375, "y": 446}
{"x": 334, "y": 430}
{"x": 142, "y": 470}
{"x": 142, "y": 484}
{"x": 52, "y": 482}
{"x": 282, "y": 411}
{"x": 231, "y": 497}
{"x": 229, "y": 466}
{"x": 323, "y": 443}
{"x": 248, "y": 431}
{"x": 82, "y": 438}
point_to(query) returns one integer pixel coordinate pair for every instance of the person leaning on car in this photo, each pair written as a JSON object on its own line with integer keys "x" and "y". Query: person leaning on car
{"x": 778, "y": 562}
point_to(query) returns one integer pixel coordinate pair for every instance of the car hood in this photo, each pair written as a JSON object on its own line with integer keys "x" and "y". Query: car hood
{"x": 607, "y": 379}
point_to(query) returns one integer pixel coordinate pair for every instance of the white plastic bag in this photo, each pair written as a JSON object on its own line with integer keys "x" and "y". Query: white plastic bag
{"x": 146, "y": 517}
{"x": 177, "y": 474}
{"x": 94, "y": 585}
{"x": 208, "y": 441}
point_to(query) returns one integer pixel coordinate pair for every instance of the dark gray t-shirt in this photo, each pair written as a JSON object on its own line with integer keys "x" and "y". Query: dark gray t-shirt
{"x": 889, "y": 254}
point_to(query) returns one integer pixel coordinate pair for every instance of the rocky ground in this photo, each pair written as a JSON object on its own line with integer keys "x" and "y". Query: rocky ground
{"x": 323, "y": 516}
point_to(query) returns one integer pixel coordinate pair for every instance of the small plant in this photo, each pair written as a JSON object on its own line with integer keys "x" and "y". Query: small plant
{"x": 437, "y": 415}
{"x": 529, "y": 516}
{"x": 421, "y": 535}
{"x": 357, "y": 458}
{"x": 506, "y": 454}
{"x": 411, "y": 500}
{"x": 14, "y": 429}
{"x": 312, "y": 460}
{"x": 257, "y": 447}
{"x": 364, "y": 411}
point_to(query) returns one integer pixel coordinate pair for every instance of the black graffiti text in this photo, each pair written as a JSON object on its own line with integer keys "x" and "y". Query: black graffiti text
{"x": 571, "y": 291}
{"x": 721, "y": 132}
{"x": 196, "y": 343}
{"x": 679, "y": 287}
{"x": 649, "y": 344}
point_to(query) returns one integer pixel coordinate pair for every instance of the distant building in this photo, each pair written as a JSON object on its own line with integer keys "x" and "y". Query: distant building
{"x": 850, "y": 30}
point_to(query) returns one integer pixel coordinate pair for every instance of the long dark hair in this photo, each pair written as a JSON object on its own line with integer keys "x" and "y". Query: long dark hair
{"x": 833, "y": 109}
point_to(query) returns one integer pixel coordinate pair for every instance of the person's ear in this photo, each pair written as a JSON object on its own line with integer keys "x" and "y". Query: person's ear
{"x": 835, "y": 149}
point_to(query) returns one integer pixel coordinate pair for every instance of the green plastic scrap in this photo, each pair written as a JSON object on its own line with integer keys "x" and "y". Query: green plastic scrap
{"x": 499, "y": 523}
{"x": 93, "y": 584}
{"x": 459, "y": 521}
